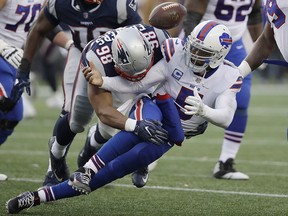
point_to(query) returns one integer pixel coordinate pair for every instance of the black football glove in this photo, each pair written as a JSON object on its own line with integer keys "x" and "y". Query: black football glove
{"x": 151, "y": 131}
{"x": 23, "y": 81}
{"x": 6, "y": 104}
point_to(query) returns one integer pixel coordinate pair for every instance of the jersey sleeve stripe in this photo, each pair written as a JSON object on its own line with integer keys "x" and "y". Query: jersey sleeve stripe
{"x": 169, "y": 49}
{"x": 237, "y": 84}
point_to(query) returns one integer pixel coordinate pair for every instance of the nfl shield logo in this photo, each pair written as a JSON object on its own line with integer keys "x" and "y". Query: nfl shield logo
{"x": 85, "y": 15}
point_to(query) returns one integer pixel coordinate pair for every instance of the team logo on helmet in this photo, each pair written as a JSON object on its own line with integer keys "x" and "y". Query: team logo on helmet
{"x": 225, "y": 40}
{"x": 122, "y": 55}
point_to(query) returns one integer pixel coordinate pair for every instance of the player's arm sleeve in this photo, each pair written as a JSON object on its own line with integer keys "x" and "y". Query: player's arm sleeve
{"x": 225, "y": 107}
{"x": 154, "y": 76}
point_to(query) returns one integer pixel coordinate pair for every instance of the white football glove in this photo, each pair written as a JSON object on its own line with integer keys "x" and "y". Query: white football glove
{"x": 11, "y": 54}
{"x": 195, "y": 104}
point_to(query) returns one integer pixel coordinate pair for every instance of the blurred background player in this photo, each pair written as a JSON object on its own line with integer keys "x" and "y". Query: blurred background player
{"x": 237, "y": 16}
{"x": 86, "y": 19}
{"x": 16, "y": 18}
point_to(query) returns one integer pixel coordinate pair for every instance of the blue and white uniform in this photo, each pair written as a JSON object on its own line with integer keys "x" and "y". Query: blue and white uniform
{"x": 16, "y": 18}
{"x": 277, "y": 12}
{"x": 234, "y": 14}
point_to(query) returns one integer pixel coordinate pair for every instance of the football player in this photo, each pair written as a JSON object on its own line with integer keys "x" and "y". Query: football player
{"x": 274, "y": 34}
{"x": 131, "y": 51}
{"x": 202, "y": 84}
{"x": 237, "y": 16}
{"x": 86, "y": 19}
{"x": 16, "y": 18}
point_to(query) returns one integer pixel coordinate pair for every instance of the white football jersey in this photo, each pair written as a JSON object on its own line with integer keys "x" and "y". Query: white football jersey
{"x": 233, "y": 14}
{"x": 277, "y": 15}
{"x": 177, "y": 79}
{"x": 16, "y": 19}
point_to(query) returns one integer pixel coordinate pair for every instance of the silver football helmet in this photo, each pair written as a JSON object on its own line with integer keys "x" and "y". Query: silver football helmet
{"x": 207, "y": 45}
{"x": 132, "y": 54}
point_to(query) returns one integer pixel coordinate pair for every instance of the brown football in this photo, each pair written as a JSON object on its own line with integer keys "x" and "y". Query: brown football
{"x": 167, "y": 15}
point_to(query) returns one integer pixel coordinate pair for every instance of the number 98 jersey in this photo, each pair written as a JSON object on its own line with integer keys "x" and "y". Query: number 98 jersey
{"x": 16, "y": 18}
{"x": 99, "y": 51}
{"x": 233, "y": 14}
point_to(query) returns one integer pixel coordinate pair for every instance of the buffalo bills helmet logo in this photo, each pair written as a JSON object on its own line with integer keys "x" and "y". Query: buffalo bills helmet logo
{"x": 225, "y": 40}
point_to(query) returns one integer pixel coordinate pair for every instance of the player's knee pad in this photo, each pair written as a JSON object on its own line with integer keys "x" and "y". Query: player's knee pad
{"x": 106, "y": 131}
{"x": 98, "y": 136}
{"x": 81, "y": 114}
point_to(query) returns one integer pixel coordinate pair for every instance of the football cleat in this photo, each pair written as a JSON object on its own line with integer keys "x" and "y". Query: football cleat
{"x": 59, "y": 169}
{"x": 25, "y": 200}
{"x": 80, "y": 180}
{"x": 227, "y": 171}
{"x": 88, "y": 151}
{"x": 140, "y": 177}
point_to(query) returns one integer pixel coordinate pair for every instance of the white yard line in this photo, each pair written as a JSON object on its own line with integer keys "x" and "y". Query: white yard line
{"x": 176, "y": 189}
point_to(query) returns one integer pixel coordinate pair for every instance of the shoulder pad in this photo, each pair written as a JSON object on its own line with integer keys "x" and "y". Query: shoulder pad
{"x": 170, "y": 46}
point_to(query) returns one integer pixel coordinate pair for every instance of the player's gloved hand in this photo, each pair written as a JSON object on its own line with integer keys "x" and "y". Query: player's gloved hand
{"x": 22, "y": 81}
{"x": 151, "y": 131}
{"x": 13, "y": 55}
{"x": 92, "y": 75}
{"x": 195, "y": 104}
{"x": 6, "y": 104}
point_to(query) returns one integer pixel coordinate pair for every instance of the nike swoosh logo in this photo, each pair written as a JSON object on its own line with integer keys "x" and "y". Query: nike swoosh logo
{"x": 239, "y": 47}
{"x": 147, "y": 129}
{"x": 58, "y": 179}
{"x": 145, "y": 178}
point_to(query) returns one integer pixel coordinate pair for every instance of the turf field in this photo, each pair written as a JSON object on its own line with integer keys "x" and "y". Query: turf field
{"x": 182, "y": 183}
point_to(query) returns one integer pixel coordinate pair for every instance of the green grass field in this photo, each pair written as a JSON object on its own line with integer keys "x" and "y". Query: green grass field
{"x": 182, "y": 183}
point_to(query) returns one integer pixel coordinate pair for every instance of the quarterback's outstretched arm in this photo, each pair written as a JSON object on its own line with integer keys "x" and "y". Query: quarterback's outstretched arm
{"x": 221, "y": 115}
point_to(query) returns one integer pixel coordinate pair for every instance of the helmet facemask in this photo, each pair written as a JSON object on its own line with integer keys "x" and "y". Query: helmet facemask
{"x": 206, "y": 49}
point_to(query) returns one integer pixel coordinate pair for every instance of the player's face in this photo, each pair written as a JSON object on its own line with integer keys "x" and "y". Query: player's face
{"x": 200, "y": 57}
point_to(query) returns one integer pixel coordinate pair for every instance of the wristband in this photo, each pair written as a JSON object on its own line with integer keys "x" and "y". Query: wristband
{"x": 244, "y": 68}
{"x": 130, "y": 124}
{"x": 68, "y": 44}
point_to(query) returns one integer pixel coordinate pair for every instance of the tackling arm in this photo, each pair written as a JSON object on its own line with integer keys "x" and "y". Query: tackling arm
{"x": 148, "y": 130}
{"x": 101, "y": 100}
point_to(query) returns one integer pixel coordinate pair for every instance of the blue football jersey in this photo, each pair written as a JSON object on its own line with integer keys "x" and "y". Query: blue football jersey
{"x": 88, "y": 22}
{"x": 155, "y": 37}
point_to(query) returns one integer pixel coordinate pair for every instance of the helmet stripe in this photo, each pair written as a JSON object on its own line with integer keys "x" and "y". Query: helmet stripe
{"x": 205, "y": 30}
